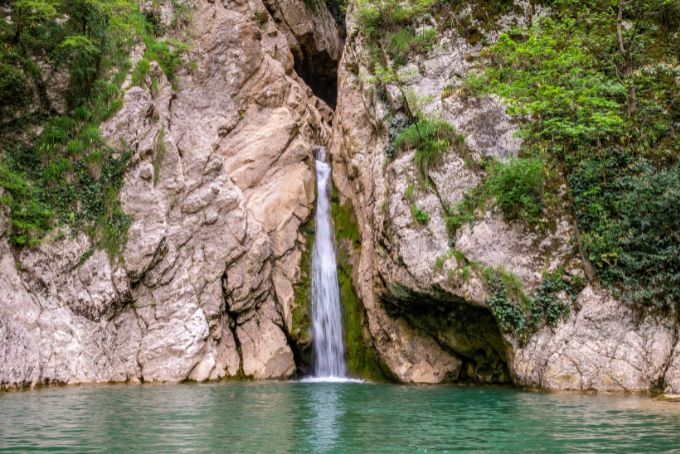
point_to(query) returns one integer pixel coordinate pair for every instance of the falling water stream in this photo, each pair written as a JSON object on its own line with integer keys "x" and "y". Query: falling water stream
{"x": 329, "y": 356}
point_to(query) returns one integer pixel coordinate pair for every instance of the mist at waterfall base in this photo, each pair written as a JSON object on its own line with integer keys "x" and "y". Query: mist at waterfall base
{"x": 329, "y": 353}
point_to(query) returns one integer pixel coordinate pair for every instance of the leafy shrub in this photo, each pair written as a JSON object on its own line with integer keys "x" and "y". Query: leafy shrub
{"x": 67, "y": 174}
{"x": 517, "y": 187}
{"x": 395, "y": 126}
{"x": 631, "y": 222}
{"x": 14, "y": 89}
{"x": 546, "y": 302}
{"x": 510, "y": 317}
{"x": 520, "y": 314}
{"x": 30, "y": 216}
{"x": 606, "y": 120}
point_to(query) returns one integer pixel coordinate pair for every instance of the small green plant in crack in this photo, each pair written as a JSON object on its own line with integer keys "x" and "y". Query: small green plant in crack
{"x": 430, "y": 138}
{"x": 439, "y": 262}
{"x": 406, "y": 41}
{"x": 461, "y": 272}
{"x": 442, "y": 259}
{"x": 419, "y": 215}
{"x": 410, "y": 193}
{"x": 261, "y": 17}
{"x": 140, "y": 72}
{"x": 461, "y": 213}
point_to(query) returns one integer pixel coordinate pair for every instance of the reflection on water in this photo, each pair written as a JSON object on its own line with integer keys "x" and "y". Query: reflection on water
{"x": 326, "y": 411}
{"x": 290, "y": 417}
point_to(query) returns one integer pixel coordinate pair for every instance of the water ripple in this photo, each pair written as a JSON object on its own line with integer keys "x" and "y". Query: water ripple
{"x": 292, "y": 417}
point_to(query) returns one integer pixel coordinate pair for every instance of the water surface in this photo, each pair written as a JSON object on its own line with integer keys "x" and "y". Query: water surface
{"x": 294, "y": 417}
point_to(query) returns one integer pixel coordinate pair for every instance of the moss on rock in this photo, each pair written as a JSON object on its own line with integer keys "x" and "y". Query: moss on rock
{"x": 362, "y": 358}
{"x": 301, "y": 326}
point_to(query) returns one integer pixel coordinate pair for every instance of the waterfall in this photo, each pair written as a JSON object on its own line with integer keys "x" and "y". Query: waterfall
{"x": 329, "y": 355}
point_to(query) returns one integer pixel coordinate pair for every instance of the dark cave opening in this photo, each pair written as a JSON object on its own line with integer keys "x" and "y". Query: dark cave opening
{"x": 468, "y": 332}
{"x": 320, "y": 73}
{"x": 316, "y": 66}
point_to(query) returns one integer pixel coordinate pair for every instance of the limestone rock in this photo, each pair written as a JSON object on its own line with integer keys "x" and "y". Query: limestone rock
{"x": 603, "y": 347}
{"x": 218, "y": 185}
{"x": 266, "y": 353}
{"x": 423, "y": 289}
{"x": 672, "y": 374}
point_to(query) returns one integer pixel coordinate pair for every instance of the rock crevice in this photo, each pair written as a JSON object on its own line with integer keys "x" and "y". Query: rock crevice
{"x": 425, "y": 290}
{"x": 220, "y": 188}
{"x": 219, "y": 183}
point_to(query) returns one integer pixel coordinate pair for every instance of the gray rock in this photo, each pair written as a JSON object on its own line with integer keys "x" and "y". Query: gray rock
{"x": 424, "y": 291}
{"x": 219, "y": 182}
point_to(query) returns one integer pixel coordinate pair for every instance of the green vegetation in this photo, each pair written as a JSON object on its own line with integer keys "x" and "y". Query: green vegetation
{"x": 140, "y": 72}
{"x": 406, "y": 41}
{"x": 344, "y": 221}
{"x": 515, "y": 310}
{"x": 519, "y": 186}
{"x": 595, "y": 87}
{"x": 630, "y": 226}
{"x": 413, "y": 129}
{"x": 362, "y": 358}
{"x": 168, "y": 53}
{"x": 509, "y": 314}
{"x": 375, "y": 18}
{"x": 390, "y": 28}
{"x": 302, "y": 306}
{"x": 68, "y": 174}
{"x": 55, "y": 168}
{"x": 419, "y": 215}
{"x": 464, "y": 212}
{"x": 523, "y": 315}
{"x": 430, "y": 137}
{"x": 261, "y": 18}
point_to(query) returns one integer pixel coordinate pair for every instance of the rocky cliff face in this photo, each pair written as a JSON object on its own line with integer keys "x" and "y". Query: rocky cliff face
{"x": 218, "y": 185}
{"x": 424, "y": 289}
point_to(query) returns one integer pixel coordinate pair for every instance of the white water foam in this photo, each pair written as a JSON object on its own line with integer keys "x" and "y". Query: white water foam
{"x": 331, "y": 380}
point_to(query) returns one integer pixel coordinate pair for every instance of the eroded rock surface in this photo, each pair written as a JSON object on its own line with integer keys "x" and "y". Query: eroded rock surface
{"x": 221, "y": 182}
{"x": 218, "y": 185}
{"x": 424, "y": 290}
